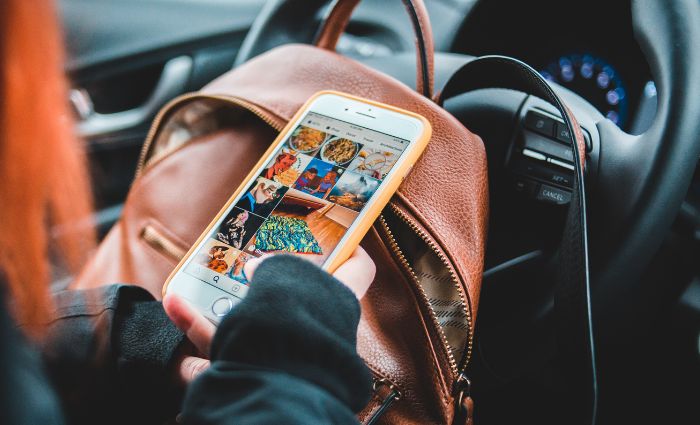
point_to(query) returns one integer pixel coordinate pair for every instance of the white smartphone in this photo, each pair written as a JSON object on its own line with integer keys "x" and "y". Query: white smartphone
{"x": 315, "y": 193}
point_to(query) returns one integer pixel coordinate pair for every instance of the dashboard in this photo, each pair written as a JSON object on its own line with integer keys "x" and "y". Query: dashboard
{"x": 587, "y": 47}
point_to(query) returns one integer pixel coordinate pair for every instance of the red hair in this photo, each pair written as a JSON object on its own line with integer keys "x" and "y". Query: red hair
{"x": 43, "y": 179}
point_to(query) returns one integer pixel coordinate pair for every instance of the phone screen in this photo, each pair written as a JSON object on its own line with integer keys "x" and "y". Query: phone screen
{"x": 303, "y": 201}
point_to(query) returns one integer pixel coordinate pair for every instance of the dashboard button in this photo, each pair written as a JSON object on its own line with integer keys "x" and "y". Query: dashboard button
{"x": 222, "y": 306}
{"x": 561, "y": 164}
{"x": 563, "y": 134}
{"x": 540, "y": 123}
{"x": 554, "y": 195}
{"x": 560, "y": 178}
{"x": 534, "y": 155}
{"x": 544, "y": 171}
{"x": 548, "y": 147}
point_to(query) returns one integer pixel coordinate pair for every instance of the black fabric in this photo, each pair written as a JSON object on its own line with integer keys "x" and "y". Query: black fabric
{"x": 145, "y": 344}
{"x": 285, "y": 354}
{"x": 26, "y": 397}
{"x": 109, "y": 352}
{"x": 572, "y": 309}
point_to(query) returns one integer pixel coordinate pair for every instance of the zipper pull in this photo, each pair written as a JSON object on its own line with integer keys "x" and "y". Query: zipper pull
{"x": 392, "y": 396}
{"x": 464, "y": 405}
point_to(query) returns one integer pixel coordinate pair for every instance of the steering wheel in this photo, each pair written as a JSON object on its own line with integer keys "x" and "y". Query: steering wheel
{"x": 636, "y": 183}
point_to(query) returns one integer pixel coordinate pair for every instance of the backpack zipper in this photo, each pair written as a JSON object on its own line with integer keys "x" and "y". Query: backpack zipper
{"x": 393, "y": 245}
{"x": 161, "y": 243}
{"x": 270, "y": 118}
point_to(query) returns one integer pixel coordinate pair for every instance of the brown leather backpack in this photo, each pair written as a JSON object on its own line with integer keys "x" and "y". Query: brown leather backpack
{"x": 418, "y": 317}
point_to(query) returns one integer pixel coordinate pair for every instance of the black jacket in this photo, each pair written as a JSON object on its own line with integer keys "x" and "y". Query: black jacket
{"x": 286, "y": 354}
{"x": 108, "y": 354}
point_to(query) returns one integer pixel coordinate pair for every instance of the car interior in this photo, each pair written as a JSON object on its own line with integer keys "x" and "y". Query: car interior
{"x": 629, "y": 70}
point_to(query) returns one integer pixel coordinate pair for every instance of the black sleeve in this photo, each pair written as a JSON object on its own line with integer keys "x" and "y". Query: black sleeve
{"x": 285, "y": 354}
{"x": 25, "y": 396}
{"x": 108, "y": 353}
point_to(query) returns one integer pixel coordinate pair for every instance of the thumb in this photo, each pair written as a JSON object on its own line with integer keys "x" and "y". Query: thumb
{"x": 357, "y": 273}
{"x": 199, "y": 330}
{"x": 252, "y": 265}
{"x": 191, "y": 367}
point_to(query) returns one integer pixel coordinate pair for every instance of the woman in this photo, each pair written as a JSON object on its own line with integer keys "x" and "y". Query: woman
{"x": 234, "y": 229}
{"x": 111, "y": 353}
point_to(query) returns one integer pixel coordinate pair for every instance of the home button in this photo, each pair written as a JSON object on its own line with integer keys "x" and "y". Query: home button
{"x": 222, "y": 306}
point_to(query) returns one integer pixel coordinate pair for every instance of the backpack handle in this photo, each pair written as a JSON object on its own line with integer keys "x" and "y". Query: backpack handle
{"x": 337, "y": 20}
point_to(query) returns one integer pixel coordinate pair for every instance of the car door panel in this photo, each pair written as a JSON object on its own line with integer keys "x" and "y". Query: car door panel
{"x": 126, "y": 59}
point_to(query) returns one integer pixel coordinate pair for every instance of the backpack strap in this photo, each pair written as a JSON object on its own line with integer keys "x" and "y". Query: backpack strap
{"x": 572, "y": 297}
{"x": 337, "y": 20}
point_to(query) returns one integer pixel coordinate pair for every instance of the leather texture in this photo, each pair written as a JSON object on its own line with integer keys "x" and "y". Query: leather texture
{"x": 415, "y": 365}
{"x": 177, "y": 194}
{"x": 177, "y": 198}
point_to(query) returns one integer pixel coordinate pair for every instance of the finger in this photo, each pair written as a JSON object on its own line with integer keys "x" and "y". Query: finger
{"x": 252, "y": 264}
{"x": 198, "y": 329}
{"x": 190, "y": 367}
{"x": 357, "y": 272}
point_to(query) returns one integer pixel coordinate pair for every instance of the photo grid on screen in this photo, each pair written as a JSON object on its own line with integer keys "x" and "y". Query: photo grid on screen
{"x": 304, "y": 200}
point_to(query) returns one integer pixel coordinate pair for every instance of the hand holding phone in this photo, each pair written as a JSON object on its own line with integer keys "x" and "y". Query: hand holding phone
{"x": 315, "y": 193}
{"x": 357, "y": 273}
